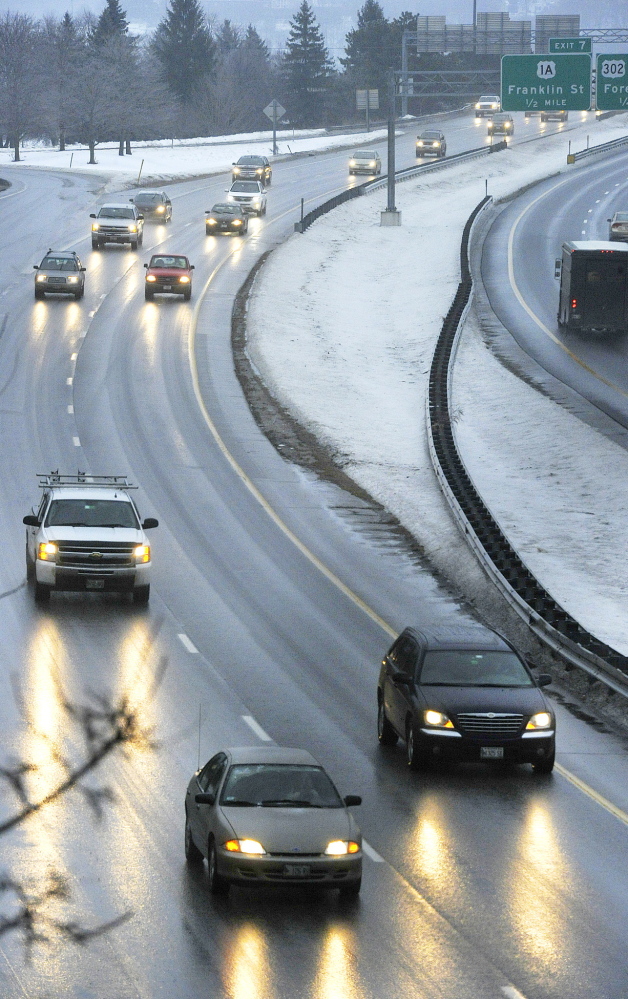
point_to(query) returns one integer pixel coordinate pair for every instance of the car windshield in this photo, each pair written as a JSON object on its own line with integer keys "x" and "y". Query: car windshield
{"x": 116, "y": 213}
{"x": 226, "y": 209}
{"x": 91, "y": 513}
{"x": 176, "y": 262}
{"x": 145, "y": 198}
{"x": 250, "y": 161}
{"x": 272, "y": 785}
{"x": 364, "y": 154}
{"x": 51, "y": 263}
{"x": 245, "y": 187}
{"x": 462, "y": 668}
{"x": 430, "y": 135}
{"x": 490, "y": 99}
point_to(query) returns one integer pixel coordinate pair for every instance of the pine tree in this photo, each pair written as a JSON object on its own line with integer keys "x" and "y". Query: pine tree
{"x": 112, "y": 23}
{"x": 227, "y": 38}
{"x": 368, "y": 51}
{"x": 255, "y": 43}
{"x": 306, "y": 68}
{"x": 185, "y": 48}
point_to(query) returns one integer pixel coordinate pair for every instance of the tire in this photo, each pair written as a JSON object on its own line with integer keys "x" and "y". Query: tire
{"x": 413, "y": 758}
{"x": 148, "y": 295}
{"x": 30, "y": 569}
{"x": 41, "y": 593}
{"x": 95, "y": 244}
{"x": 351, "y": 891}
{"x": 141, "y": 595}
{"x": 545, "y": 766}
{"x": 140, "y": 241}
{"x": 269, "y": 181}
{"x": 242, "y": 232}
{"x": 386, "y": 734}
{"x": 134, "y": 244}
{"x": 79, "y": 295}
{"x": 217, "y": 884}
{"x": 39, "y": 294}
{"x": 193, "y": 855}
{"x": 187, "y": 295}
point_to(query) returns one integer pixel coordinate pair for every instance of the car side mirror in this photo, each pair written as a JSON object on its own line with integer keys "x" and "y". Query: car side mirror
{"x": 558, "y": 266}
{"x": 82, "y": 269}
{"x": 92, "y": 215}
{"x": 543, "y": 680}
{"x": 35, "y": 267}
{"x": 30, "y": 520}
{"x": 146, "y": 265}
{"x": 191, "y": 267}
{"x": 352, "y": 799}
{"x": 141, "y": 218}
{"x": 609, "y": 220}
{"x": 131, "y": 200}
{"x": 150, "y": 522}
{"x": 204, "y": 799}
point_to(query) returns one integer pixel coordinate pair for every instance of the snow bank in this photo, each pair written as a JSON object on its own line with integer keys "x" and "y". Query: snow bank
{"x": 348, "y": 352}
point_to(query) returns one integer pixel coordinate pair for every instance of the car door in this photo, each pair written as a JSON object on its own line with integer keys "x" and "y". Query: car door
{"x": 207, "y": 782}
{"x": 402, "y": 660}
{"x": 32, "y": 532}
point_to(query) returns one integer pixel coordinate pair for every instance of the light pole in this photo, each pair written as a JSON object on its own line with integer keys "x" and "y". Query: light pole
{"x": 391, "y": 216}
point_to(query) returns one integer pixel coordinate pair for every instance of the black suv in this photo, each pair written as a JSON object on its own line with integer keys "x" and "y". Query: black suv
{"x": 253, "y": 168}
{"x": 153, "y": 205}
{"x": 462, "y": 692}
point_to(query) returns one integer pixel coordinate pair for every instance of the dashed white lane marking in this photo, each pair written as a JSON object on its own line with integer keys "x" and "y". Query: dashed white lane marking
{"x": 68, "y": 381}
{"x": 371, "y": 853}
{"x": 73, "y": 357}
{"x": 92, "y": 313}
{"x": 70, "y": 409}
{"x": 103, "y": 296}
{"x": 77, "y": 442}
{"x": 512, "y": 993}
{"x": 187, "y": 644}
{"x": 259, "y": 731}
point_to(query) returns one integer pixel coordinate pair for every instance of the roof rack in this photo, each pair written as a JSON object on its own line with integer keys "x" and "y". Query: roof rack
{"x": 49, "y": 480}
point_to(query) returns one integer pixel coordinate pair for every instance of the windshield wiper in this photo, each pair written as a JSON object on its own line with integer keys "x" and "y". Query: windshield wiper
{"x": 289, "y": 802}
{"x": 240, "y": 803}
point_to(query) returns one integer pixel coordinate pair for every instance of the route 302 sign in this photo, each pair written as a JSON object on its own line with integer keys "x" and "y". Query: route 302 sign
{"x": 612, "y": 81}
{"x": 557, "y": 83}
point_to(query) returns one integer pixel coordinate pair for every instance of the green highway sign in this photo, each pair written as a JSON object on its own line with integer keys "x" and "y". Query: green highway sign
{"x": 612, "y": 82}
{"x": 568, "y": 45}
{"x": 546, "y": 82}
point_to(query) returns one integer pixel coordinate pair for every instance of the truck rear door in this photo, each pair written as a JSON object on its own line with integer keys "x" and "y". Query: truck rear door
{"x": 604, "y": 292}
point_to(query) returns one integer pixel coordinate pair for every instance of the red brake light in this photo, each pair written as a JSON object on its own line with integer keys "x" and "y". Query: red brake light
{"x": 574, "y": 303}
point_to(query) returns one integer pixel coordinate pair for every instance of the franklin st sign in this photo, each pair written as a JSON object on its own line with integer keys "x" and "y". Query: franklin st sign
{"x": 546, "y": 83}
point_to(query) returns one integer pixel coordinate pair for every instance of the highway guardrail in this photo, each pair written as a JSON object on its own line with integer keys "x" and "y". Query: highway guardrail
{"x": 604, "y": 147}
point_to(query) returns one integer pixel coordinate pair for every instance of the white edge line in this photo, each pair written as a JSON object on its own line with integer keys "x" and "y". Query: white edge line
{"x": 512, "y": 993}
{"x": 187, "y": 644}
{"x": 259, "y": 731}
{"x": 371, "y": 853}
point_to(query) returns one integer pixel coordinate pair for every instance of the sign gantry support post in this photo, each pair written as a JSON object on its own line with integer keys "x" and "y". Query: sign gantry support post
{"x": 391, "y": 216}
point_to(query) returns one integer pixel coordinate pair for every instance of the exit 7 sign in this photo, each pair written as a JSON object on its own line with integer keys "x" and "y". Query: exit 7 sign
{"x": 546, "y": 82}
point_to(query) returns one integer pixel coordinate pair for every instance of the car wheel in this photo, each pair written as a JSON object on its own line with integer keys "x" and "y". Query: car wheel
{"x": 193, "y": 855}
{"x": 269, "y": 181}
{"x": 385, "y": 732}
{"x": 141, "y": 595}
{"x": 30, "y": 568}
{"x": 134, "y": 244}
{"x": 545, "y": 766}
{"x": 42, "y": 593}
{"x": 39, "y": 293}
{"x": 413, "y": 757}
{"x": 217, "y": 884}
{"x": 242, "y": 232}
{"x": 95, "y": 244}
{"x": 351, "y": 891}
{"x": 148, "y": 295}
{"x": 187, "y": 295}
{"x": 140, "y": 240}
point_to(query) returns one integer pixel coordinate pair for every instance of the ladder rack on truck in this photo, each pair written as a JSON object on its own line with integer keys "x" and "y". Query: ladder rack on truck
{"x": 51, "y": 480}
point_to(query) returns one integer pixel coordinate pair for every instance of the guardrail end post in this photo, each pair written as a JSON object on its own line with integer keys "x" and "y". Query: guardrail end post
{"x": 571, "y": 157}
{"x": 298, "y": 227}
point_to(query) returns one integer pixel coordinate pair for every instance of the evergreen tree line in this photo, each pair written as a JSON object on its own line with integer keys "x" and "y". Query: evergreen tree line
{"x": 88, "y": 79}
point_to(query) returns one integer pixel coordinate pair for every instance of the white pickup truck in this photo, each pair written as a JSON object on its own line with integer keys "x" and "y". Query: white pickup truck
{"x": 86, "y": 534}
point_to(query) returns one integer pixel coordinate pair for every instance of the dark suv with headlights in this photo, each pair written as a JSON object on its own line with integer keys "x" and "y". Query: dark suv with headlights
{"x": 463, "y": 692}
{"x": 252, "y": 168}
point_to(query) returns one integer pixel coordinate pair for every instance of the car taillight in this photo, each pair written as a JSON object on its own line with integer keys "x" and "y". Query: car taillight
{"x": 574, "y": 303}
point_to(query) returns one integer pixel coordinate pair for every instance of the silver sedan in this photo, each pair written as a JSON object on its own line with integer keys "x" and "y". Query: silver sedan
{"x": 271, "y": 815}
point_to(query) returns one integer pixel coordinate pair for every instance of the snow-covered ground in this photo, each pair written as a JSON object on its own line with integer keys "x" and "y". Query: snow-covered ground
{"x": 348, "y": 351}
{"x": 177, "y": 159}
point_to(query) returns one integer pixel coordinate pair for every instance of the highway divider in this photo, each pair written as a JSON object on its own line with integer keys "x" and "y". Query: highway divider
{"x": 604, "y": 147}
{"x": 546, "y": 618}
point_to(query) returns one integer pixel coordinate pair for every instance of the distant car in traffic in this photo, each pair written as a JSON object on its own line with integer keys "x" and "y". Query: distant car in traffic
{"x": 153, "y": 205}
{"x": 226, "y": 218}
{"x": 250, "y": 195}
{"x": 618, "y": 227}
{"x": 60, "y": 272}
{"x": 554, "y": 115}
{"x": 431, "y": 143}
{"x": 272, "y": 816}
{"x": 168, "y": 274}
{"x": 365, "y": 161}
{"x": 253, "y": 168}
{"x": 117, "y": 223}
{"x": 501, "y": 123}
{"x": 487, "y": 105}
{"x": 463, "y": 693}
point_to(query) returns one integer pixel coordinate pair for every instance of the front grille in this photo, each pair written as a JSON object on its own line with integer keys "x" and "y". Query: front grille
{"x": 95, "y": 556}
{"x": 109, "y": 230}
{"x": 489, "y": 723}
{"x": 56, "y": 280}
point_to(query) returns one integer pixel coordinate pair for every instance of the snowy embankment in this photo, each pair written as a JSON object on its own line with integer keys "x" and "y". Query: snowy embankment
{"x": 348, "y": 352}
{"x": 165, "y": 160}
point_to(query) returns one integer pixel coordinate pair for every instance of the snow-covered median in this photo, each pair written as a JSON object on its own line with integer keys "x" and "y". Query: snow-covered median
{"x": 342, "y": 326}
{"x": 166, "y": 160}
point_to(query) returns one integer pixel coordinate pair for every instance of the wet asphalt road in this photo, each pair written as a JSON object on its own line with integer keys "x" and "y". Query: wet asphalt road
{"x": 477, "y": 882}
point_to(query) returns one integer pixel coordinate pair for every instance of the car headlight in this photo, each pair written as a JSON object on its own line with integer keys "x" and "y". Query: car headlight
{"x": 436, "y": 144}
{"x": 257, "y": 202}
{"x": 161, "y": 208}
{"x": 477, "y": 107}
{"x": 341, "y": 847}
{"x": 352, "y": 163}
{"x": 132, "y": 228}
{"x": 47, "y": 551}
{"x": 151, "y": 277}
{"x": 436, "y": 719}
{"x": 72, "y": 279}
{"x": 250, "y": 846}
{"x": 236, "y": 169}
{"x": 541, "y": 720}
{"x": 41, "y": 277}
{"x": 141, "y": 553}
{"x": 372, "y": 163}
{"x": 95, "y": 226}
{"x": 419, "y": 143}
{"x": 211, "y": 221}
{"x": 258, "y": 171}
{"x": 237, "y": 221}
{"x": 184, "y": 279}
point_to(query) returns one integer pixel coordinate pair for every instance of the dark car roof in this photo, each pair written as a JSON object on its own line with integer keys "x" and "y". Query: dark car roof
{"x": 460, "y": 636}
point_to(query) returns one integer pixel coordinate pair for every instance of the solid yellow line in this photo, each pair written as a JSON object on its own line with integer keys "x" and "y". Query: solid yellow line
{"x": 539, "y": 322}
{"x": 598, "y": 798}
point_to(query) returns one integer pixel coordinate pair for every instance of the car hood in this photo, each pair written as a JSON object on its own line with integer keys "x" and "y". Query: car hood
{"x": 171, "y": 272}
{"x": 95, "y": 534}
{"x": 292, "y": 830}
{"x": 511, "y": 700}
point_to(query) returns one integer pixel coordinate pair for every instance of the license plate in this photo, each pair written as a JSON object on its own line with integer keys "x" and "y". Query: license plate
{"x": 296, "y": 870}
{"x": 94, "y": 584}
{"x": 167, "y": 287}
{"x": 491, "y": 752}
